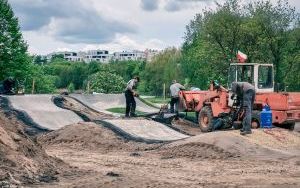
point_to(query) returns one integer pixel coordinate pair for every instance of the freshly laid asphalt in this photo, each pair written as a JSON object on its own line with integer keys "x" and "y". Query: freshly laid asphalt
{"x": 102, "y": 102}
{"x": 43, "y": 111}
{"x": 144, "y": 130}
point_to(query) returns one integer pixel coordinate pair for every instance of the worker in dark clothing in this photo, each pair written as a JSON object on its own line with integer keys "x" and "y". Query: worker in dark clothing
{"x": 7, "y": 86}
{"x": 246, "y": 93}
{"x": 174, "y": 91}
{"x": 130, "y": 93}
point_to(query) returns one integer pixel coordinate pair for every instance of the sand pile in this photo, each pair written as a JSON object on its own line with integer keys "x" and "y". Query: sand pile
{"x": 276, "y": 143}
{"x": 196, "y": 150}
{"x": 91, "y": 136}
{"x": 22, "y": 159}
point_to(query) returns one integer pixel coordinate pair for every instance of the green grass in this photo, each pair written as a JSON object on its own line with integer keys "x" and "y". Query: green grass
{"x": 159, "y": 100}
{"x": 122, "y": 111}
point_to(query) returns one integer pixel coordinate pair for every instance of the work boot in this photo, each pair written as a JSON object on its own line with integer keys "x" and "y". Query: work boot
{"x": 241, "y": 130}
{"x": 133, "y": 115}
{"x": 246, "y": 132}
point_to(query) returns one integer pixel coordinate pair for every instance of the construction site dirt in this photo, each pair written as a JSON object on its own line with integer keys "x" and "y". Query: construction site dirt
{"x": 88, "y": 154}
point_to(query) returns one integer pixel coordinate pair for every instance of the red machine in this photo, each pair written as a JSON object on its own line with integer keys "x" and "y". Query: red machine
{"x": 216, "y": 103}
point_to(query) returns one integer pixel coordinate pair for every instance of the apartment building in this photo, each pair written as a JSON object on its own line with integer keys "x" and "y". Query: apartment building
{"x": 133, "y": 55}
{"x": 69, "y": 56}
{"x": 102, "y": 56}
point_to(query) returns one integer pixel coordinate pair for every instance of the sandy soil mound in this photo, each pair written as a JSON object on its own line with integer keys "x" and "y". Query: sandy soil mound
{"x": 196, "y": 150}
{"x": 22, "y": 159}
{"x": 274, "y": 143}
{"x": 90, "y": 136}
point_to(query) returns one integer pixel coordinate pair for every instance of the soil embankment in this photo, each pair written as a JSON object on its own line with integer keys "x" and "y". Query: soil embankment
{"x": 86, "y": 154}
{"x": 23, "y": 160}
{"x": 220, "y": 159}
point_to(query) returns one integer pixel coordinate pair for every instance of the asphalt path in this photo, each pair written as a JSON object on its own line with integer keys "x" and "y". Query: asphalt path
{"x": 144, "y": 130}
{"x": 43, "y": 111}
{"x": 102, "y": 102}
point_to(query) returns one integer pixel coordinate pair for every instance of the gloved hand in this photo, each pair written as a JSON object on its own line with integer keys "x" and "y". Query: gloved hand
{"x": 232, "y": 96}
{"x": 136, "y": 94}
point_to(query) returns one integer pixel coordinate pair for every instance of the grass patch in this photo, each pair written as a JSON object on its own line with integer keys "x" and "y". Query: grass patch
{"x": 159, "y": 100}
{"x": 122, "y": 111}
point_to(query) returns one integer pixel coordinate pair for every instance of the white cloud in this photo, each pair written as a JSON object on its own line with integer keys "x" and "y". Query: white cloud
{"x": 125, "y": 43}
{"x": 115, "y": 25}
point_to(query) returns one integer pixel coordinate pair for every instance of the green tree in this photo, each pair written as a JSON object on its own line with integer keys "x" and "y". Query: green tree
{"x": 14, "y": 60}
{"x": 42, "y": 82}
{"x": 71, "y": 88}
{"x": 164, "y": 68}
{"x": 106, "y": 82}
{"x": 39, "y": 60}
{"x": 266, "y": 32}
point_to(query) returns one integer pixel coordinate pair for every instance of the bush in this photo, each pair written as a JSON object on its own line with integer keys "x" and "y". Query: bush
{"x": 71, "y": 88}
{"x": 106, "y": 82}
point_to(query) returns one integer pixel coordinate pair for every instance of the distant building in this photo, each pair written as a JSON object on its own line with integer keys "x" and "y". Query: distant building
{"x": 150, "y": 54}
{"x": 69, "y": 56}
{"x": 133, "y": 55}
{"x": 102, "y": 56}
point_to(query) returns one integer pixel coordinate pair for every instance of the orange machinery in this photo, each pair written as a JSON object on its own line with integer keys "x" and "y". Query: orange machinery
{"x": 217, "y": 103}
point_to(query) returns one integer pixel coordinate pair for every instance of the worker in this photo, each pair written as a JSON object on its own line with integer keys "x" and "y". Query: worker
{"x": 174, "y": 91}
{"x": 130, "y": 93}
{"x": 246, "y": 93}
{"x": 7, "y": 86}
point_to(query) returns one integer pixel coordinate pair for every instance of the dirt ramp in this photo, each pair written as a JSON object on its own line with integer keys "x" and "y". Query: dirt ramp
{"x": 91, "y": 137}
{"x": 23, "y": 161}
{"x": 43, "y": 111}
{"x": 275, "y": 143}
{"x": 196, "y": 150}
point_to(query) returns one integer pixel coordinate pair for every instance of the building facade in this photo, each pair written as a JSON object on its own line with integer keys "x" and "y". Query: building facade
{"x": 133, "y": 55}
{"x": 69, "y": 56}
{"x": 102, "y": 56}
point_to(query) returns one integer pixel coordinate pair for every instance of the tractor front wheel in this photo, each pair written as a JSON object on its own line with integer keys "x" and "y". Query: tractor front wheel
{"x": 205, "y": 119}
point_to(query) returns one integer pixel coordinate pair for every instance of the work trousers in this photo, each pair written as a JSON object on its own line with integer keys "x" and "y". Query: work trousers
{"x": 130, "y": 103}
{"x": 174, "y": 103}
{"x": 248, "y": 101}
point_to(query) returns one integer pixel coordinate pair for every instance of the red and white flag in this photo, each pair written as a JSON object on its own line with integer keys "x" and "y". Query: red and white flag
{"x": 241, "y": 57}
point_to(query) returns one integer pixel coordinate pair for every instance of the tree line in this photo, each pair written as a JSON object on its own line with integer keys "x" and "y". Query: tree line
{"x": 266, "y": 32}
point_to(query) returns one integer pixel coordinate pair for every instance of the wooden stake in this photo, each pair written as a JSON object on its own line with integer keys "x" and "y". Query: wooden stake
{"x": 33, "y": 85}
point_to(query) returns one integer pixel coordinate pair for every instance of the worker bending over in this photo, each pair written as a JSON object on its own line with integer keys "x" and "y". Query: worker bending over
{"x": 246, "y": 93}
{"x": 130, "y": 93}
{"x": 174, "y": 91}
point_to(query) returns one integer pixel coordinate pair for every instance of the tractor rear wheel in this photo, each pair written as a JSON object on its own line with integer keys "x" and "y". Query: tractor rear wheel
{"x": 205, "y": 119}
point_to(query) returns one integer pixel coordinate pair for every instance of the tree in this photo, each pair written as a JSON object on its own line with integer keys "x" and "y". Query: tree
{"x": 39, "y": 60}
{"x": 106, "y": 82}
{"x": 164, "y": 68}
{"x": 42, "y": 82}
{"x": 275, "y": 23}
{"x": 14, "y": 60}
{"x": 266, "y": 32}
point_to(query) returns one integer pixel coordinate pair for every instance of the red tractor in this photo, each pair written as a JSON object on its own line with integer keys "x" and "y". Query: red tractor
{"x": 216, "y": 104}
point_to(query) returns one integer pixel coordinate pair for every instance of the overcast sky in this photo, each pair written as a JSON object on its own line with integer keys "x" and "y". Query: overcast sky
{"x": 115, "y": 25}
